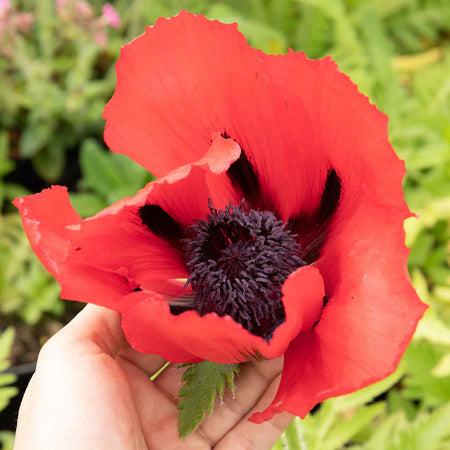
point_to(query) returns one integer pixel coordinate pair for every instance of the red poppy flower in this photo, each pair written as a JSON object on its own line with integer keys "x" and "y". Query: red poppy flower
{"x": 277, "y": 225}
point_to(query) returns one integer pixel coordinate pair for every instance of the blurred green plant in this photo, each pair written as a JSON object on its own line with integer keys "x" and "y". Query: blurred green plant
{"x": 6, "y": 380}
{"x": 55, "y": 83}
{"x": 106, "y": 178}
{"x": 27, "y": 290}
{"x": 6, "y": 391}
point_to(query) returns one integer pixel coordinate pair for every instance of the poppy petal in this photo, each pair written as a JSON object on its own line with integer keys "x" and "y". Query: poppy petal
{"x": 220, "y": 85}
{"x": 49, "y": 219}
{"x": 373, "y": 307}
{"x": 256, "y": 99}
{"x": 102, "y": 258}
{"x": 46, "y": 218}
{"x": 151, "y": 328}
{"x": 139, "y": 237}
{"x": 163, "y": 118}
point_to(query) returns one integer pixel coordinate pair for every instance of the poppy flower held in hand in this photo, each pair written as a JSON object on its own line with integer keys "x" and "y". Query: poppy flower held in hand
{"x": 276, "y": 226}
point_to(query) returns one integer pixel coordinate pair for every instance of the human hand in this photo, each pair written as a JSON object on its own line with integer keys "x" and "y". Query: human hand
{"x": 91, "y": 390}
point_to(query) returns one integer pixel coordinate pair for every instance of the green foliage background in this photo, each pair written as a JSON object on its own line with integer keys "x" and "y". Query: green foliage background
{"x": 52, "y": 91}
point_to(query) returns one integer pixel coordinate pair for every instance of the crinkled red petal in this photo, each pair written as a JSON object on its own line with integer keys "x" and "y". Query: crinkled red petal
{"x": 163, "y": 118}
{"x": 103, "y": 258}
{"x": 295, "y": 118}
{"x": 116, "y": 239}
{"x": 49, "y": 220}
{"x": 369, "y": 319}
{"x": 151, "y": 328}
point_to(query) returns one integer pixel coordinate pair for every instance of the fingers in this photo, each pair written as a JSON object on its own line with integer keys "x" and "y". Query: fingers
{"x": 251, "y": 383}
{"x": 149, "y": 364}
{"x": 157, "y": 414}
{"x": 78, "y": 394}
{"x": 97, "y": 330}
{"x": 94, "y": 330}
{"x": 247, "y": 435}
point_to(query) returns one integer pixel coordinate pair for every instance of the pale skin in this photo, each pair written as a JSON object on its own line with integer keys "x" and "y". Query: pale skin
{"x": 91, "y": 390}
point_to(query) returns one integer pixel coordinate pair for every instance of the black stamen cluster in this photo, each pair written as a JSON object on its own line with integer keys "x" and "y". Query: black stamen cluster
{"x": 238, "y": 261}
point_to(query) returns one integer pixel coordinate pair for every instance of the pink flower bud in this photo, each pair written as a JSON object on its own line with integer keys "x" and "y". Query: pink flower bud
{"x": 24, "y": 21}
{"x": 5, "y": 6}
{"x": 84, "y": 9}
{"x": 60, "y": 4}
{"x": 100, "y": 38}
{"x": 110, "y": 15}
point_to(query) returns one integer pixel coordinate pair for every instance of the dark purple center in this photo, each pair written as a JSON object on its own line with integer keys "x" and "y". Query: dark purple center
{"x": 238, "y": 261}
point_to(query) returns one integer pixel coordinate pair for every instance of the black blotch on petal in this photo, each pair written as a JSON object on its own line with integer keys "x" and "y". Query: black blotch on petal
{"x": 176, "y": 310}
{"x": 330, "y": 197}
{"x": 243, "y": 177}
{"x": 312, "y": 229}
{"x": 325, "y": 301}
{"x": 245, "y": 180}
{"x": 161, "y": 224}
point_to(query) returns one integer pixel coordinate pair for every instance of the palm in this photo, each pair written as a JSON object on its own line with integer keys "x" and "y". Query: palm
{"x": 92, "y": 388}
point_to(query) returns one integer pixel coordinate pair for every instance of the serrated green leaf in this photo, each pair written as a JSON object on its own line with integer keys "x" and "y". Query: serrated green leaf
{"x": 203, "y": 381}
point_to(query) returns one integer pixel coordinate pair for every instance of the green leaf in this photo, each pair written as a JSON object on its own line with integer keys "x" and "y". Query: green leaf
{"x": 365, "y": 395}
{"x": 6, "y": 165}
{"x": 7, "y": 440}
{"x": 260, "y": 35}
{"x": 202, "y": 382}
{"x": 443, "y": 367}
{"x": 433, "y": 329}
{"x": 419, "y": 360}
{"x": 6, "y": 341}
{"x": 433, "y": 429}
{"x": 87, "y": 204}
{"x": 97, "y": 171}
{"x": 293, "y": 435}
{"x": 278, "y": 445}
{"x": 110, "y": 176}
{"x": 34, "y": 138}
{"x": 50, "y": 162}
{"x": 6, "y": 392}
{"x": 345, "y": 429}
